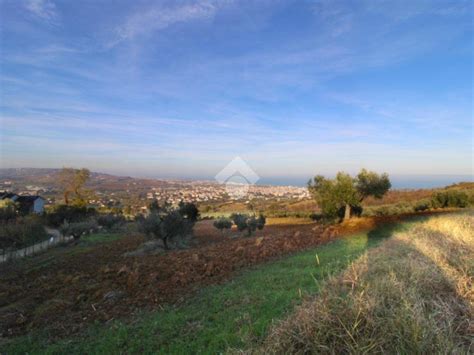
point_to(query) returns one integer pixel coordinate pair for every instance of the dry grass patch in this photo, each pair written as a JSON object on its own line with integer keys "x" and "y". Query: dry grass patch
{"x": 412, "y": 294}
{"x": 288, "y": 221}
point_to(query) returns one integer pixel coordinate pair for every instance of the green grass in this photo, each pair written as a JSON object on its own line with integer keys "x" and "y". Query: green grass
{"x": 235, "y": 314}
{"x": 89, "y": 242}
{"x": 99, "y": 238}
{"x": 48, "y": 257}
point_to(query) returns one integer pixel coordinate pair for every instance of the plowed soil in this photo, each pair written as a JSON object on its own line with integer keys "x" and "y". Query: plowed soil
{"x": 66, "y": 289}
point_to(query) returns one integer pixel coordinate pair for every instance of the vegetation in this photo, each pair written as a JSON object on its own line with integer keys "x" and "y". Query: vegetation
{"x": 78, "y": 229}
{"x": 169, "y": 224}
{"x": 8, "y": 210}
{"x": 450, "y": 198}
{"x": 244, "y": 222}
{"x": 410, "y": 295}
{"x": 236, "y": 314}
{"x": 347, "y": 193}
{"x": 223, "y": 224}
{"x": 422, "y": 205}
{"x": 110, "y": 220}
{"x": 72, "y": 182}
{"x": 21, "y": 232}
{"x": 59, "y": 214}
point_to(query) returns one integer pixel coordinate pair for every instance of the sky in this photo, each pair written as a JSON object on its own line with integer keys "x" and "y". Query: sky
{"x": 177, "y": 89}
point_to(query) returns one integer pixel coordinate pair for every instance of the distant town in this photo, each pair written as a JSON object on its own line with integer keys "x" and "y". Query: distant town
{"x": 134, "y": 195}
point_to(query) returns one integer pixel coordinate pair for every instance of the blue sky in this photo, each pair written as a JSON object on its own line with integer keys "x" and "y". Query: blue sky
{"x": 295, "y": 88}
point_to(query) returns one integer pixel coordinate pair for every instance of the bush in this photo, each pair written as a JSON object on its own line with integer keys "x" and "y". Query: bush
{"x": 248, "y": 223}
{"x": 450, "y": 198}
{"x": 110, "y": 221}
{"x": 422, "y": 205}
{"x": 72, "y": 214}
{"x": 240, "y": 221}
{"x": 470, "y": 197}
{"x": 8, "y": 210}
{"x": 22, "y": 232}
{"x": 388, "y": 210}
{"x": 188, "y": 211}
{"x": 78, "y": 229}
{"x": 296, "y": 214}
{"x": 222, "y": 224}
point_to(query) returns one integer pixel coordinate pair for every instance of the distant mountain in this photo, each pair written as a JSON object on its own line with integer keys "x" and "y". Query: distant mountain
{"x": 20, "y": 177}
{"x": 15, "y": 173}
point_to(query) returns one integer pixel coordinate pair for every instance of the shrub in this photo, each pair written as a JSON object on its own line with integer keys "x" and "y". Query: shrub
{"x": 8, "y": 210}
{"x": 110, "y": 220}
{"x": 175, "y": 227}
{"x": 22, "y": 232}
{"x": 282, "y": 214}
{"x": 78, "y": 229}
{"x": 150, "y": 225}
{"x": 450, "y": 198}
{"x": 470, "y": 197}
{"x": 422, "y": 205}
{"x": 248, "y": 223}
{"x": 61, "y": 213}
{"x": 222, "y": 224}
{"x": 240, "y": 221}
{"x": 188, "y": 211}
{"x": 388, "y": 210}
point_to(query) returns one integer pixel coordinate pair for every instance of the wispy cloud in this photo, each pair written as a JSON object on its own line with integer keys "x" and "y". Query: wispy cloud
{"x": 292, "y": 86}
{"x": 44, "y": 9}
{"x": 158, "y": 17}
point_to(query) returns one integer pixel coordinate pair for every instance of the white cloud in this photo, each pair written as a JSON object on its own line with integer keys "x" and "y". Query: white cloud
{"x": 44, "y": 9}
{"x": 158, "y": 18}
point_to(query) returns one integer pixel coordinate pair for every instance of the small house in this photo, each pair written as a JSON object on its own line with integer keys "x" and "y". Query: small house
{"x": 26, "y": 203}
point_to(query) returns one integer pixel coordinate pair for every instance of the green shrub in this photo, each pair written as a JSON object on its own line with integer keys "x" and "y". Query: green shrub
{"x": 8, "y": 210}
{"x": 110, "y": 220}
{"x": 189, "y": 211}
{"x": 248, "y": 223}
{"x": 283, "y": 214}
{"x": 388, "y": 210}
{"x": 450, "y": 198}
{"x": 72, "y": 214}
{"x": 22, "y": 232}
{"x": 422, "y": 205}
{"x": 222, "y": 224}
{"x": 470, "y": 197}
{"x": 78, "y": 229}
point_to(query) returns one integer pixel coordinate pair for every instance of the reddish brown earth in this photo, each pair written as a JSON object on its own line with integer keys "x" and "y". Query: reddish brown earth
{"x": 70, "y": 287}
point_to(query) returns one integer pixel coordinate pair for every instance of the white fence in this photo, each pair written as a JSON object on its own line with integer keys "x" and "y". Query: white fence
{"x": 6, "y": 255}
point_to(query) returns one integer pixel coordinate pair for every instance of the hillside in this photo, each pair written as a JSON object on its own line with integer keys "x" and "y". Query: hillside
{"x": 91, "y": 299}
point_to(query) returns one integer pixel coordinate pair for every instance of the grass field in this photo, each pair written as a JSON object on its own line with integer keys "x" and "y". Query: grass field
{"x": 235, "y": 314}
{"x": 411, "y": 295}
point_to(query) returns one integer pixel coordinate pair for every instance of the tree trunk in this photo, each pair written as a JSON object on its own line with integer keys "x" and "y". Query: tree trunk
{"x": 165, "y": 242}
{"x": 347, "y": 212}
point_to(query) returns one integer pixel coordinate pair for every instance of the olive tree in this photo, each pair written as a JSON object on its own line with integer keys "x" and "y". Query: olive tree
{"x": 223, "y": 224}
{"x": 169, "y": 224}
{"x": 345, "y": 192}
{"x": 78, "y": 229}
{"x": 249, "y": 223}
